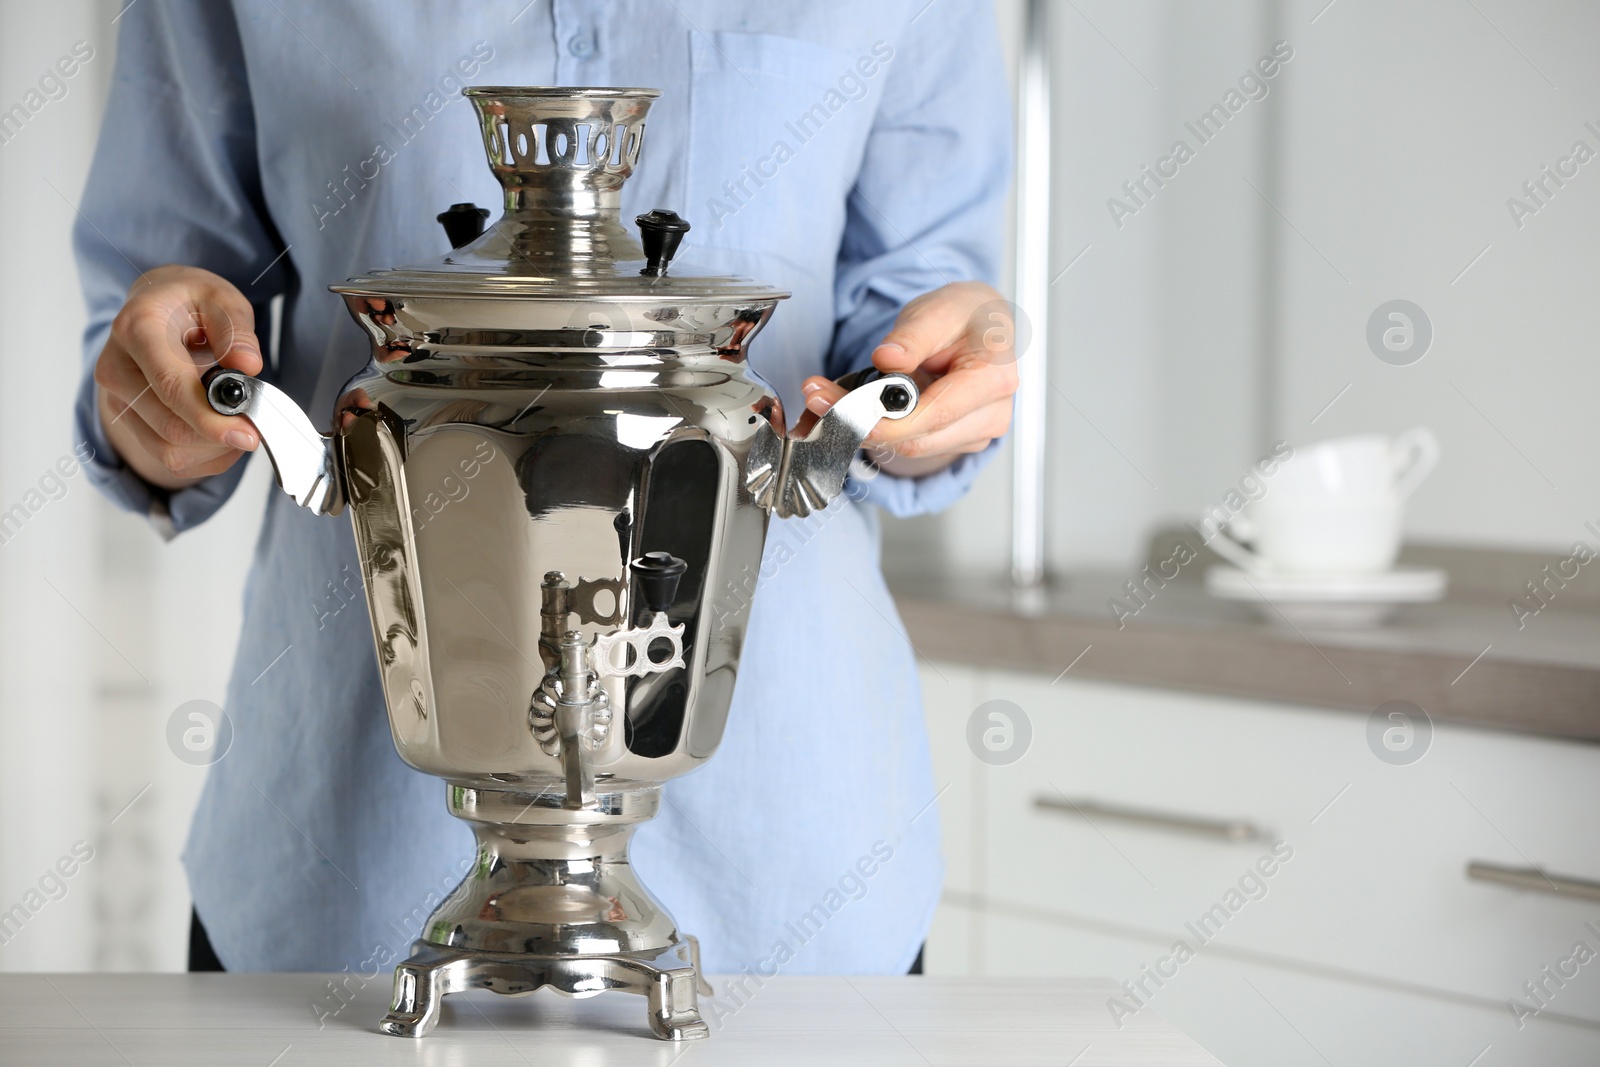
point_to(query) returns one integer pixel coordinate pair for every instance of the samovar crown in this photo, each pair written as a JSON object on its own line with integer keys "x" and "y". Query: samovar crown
{"x": 545, "y": 143}
{"x": 561, "y": 156}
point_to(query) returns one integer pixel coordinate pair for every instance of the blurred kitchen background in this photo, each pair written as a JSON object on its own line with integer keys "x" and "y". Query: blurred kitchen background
{"x": 1226, "y": 313}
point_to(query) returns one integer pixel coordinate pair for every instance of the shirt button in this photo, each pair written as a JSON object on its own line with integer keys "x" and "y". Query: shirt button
{"x": 581, "y": 44}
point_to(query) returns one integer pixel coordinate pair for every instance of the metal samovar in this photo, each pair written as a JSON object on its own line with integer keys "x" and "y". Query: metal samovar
{"x": 560, "y": 472}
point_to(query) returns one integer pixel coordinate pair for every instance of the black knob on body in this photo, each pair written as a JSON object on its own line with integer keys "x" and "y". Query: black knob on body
{"x": 463, "y": 223}
{"x": 658, "y": 574}
{"x": 661, "y": 232}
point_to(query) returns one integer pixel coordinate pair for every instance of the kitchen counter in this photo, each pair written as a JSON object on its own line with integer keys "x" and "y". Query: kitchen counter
{"x": 1462, "y": 660}
{"x": 268, "y": 1020}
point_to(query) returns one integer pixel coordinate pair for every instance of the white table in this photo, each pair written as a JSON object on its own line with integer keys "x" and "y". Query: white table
{"x": 268, "y": 1020}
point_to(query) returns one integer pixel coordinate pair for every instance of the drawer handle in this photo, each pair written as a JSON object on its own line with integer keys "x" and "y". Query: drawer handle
{"x": 1226, "y": 829}
{"x": 1535, "y": 879}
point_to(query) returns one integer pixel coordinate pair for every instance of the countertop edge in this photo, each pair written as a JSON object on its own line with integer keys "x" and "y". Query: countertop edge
{"x": 1528, "y": 697}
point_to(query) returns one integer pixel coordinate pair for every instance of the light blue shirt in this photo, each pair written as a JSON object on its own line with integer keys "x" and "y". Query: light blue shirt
{"x": 854, "y": 153}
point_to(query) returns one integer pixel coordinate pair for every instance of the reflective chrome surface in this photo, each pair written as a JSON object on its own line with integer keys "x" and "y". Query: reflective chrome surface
{"x": 791, "y": 476}
{"x": 552, "y": 901}
{"x": 303, "y": 459}
{"x": 548, "y": 418}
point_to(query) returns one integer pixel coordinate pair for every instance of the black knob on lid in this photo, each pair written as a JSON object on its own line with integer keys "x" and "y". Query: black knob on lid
{"x": 661, "y": 232}
{"x": 658, "y": 574}
{"x": 463, "y": 223}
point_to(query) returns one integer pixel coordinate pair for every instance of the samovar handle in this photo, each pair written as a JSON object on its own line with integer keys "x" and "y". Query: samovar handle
{"x": 306, "y": 462}
{"x": 795, "y": 476}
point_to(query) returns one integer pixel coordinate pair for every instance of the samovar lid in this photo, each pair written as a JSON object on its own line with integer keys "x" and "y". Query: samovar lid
{"x": 561, "y": 155}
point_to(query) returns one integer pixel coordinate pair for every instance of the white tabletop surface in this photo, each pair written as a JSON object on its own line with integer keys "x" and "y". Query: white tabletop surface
{"x": 268, "y": 1020}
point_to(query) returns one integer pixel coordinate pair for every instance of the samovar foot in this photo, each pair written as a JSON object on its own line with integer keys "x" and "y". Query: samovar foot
{"x": 417, "y": 990}
{"x": 673, "y": 999}
{"x": 669, "y": 980}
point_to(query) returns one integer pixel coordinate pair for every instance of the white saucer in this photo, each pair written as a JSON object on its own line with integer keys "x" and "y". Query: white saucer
{"x": 1331, "y": 599}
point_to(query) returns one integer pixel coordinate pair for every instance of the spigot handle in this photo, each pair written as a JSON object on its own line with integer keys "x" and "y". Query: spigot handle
{"x": 305, "y": 461}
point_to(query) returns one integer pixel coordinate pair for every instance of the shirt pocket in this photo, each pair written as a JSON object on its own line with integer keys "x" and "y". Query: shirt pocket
{"x": 778, "y": 126}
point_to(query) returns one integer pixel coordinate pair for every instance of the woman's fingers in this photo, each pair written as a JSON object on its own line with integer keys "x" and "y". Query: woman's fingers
{"x": 934, "y": 324}
{"x": 970, "y": 385}
{"x": 961, "y": 412}
{"x": 971, "y": 432}
{"x": 186, "y": 462}
{"x": 177, "y": 323}
{"x": 957, "y": 342}
{"x": 163, "y": 328}
{"x": 821, "y": 394}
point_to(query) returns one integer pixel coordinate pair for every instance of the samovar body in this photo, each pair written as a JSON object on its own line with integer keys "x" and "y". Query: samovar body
{"x": 560, "y": 474}
{"x": 498, "y": 505}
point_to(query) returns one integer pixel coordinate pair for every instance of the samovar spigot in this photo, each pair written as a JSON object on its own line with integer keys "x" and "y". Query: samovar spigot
{"x": 582, "y": 714}
{"x": 571, "y": 713}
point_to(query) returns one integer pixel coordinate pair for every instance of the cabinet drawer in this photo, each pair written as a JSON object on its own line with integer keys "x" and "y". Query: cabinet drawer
{"x": 1256, "y": 1015}
{"x": 1361, "y": 865}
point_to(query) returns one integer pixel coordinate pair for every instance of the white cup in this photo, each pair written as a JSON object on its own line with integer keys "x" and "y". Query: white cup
{"x": 1365, "y": 466}
{"x": 1335, "y": 506}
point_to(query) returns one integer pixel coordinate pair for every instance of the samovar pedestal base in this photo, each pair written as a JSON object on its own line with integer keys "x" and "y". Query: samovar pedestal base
{"x": 551, "y": 901}
{"x": 669, "y": 980}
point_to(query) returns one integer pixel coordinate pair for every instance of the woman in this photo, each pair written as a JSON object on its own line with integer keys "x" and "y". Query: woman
{"x": 854, "y": 154}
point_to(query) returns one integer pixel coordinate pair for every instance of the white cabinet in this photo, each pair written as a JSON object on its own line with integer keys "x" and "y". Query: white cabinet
{"x": 1257, "y": 1015}
{"x": 1367, "y": 887}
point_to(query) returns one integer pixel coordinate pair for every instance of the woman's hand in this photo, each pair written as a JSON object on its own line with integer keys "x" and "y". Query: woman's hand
{"x": 177, "y": 323}
{"x": 957, "y": 343}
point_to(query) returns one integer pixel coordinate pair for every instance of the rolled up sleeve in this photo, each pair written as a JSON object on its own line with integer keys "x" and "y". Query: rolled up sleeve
{"x": 174, "y": 180}
{"x": 927, "y": 209}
